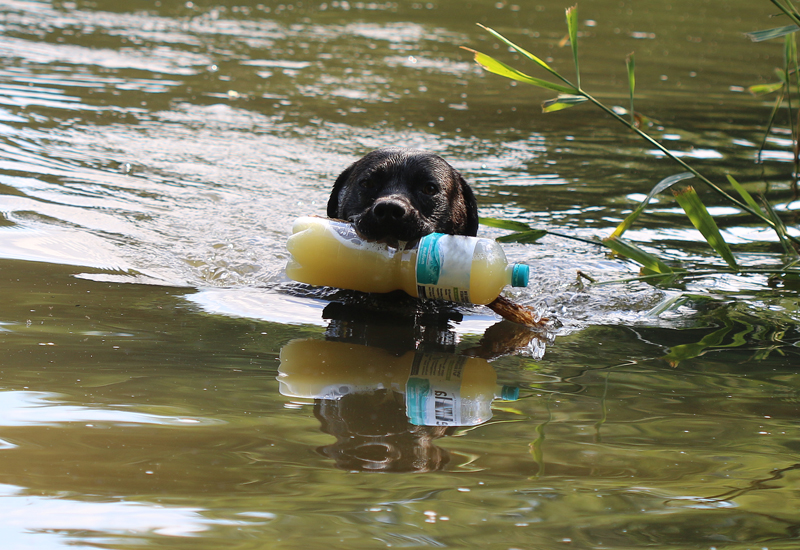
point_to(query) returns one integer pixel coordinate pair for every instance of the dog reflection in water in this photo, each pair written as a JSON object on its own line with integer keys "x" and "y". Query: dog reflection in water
{"x": 386, "y": 385}
{"x": 373, "y": 434}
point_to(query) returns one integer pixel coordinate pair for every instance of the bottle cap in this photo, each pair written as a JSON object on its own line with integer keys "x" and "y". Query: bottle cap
{"x": 508, "y": 393}
{"x": 519, "y": 275}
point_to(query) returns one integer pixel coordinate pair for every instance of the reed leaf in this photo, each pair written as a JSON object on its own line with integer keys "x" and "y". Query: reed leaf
{"x": 764, "y": 89}
{"x": 630, "y": 63}
{"x": 568, "y": 88}
{"x": 522, "y": 51}
{"x": 769, "y": 34}
{"x": 572, "y": 27}
{"x": 748, "y": 198}
{"x": 663, "y": 185}
{"x": 702, "y": 220}
{"x": 670, "y": 304}
{"x": 795, "y": 68}
{"x": 780, "y": 228}
{"x": 563, "y": 101}
{"x": 498, "y": 67}
{"x": 790, "y": 52}
{"x": 650, "y": 262}
{"x": 511, "y": 225}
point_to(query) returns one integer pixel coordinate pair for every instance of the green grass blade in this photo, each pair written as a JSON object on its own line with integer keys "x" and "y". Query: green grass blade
{"x": 500, "y": 68}
{"x": 790, "y": 52}
{"x": 511, "y": 225}
{"x": 563, "y": 101}
{"x": 702, "y": 220}
{"x": 780, "y": 227}
{"x": 748, "y": 198}
{"x": 764, "y": 89}
{"x": 630, "y": 63}
{"x": 523, "y": 51}
{"x": 669, "y": 304}
{"x": 553, "y": 105}
{"x": 796, "y": 67}
{"x": 663, "y": 185}
{"x": 649, "y": 261}
{"x": 523, "y": 237}
{"x": 572, "y": 26}
{"x": 769, "y": 34}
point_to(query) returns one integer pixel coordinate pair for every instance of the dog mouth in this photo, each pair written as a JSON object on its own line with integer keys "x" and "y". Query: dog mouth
{"x": 399, "y": 234}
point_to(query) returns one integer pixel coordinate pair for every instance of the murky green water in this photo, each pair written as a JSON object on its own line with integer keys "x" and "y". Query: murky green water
{"x": 152, "y": 158}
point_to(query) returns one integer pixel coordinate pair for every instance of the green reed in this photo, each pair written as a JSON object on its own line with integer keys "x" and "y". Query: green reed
{"x": 571, "y": 93}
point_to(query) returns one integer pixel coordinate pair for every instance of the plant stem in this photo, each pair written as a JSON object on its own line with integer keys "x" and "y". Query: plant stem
{"x": 574, "y": 238}
{"x": 787, "y": 12}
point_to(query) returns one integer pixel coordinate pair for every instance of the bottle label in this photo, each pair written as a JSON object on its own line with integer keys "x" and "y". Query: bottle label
{"x": 433, "y": 390}
{"x": 443, "y": 267}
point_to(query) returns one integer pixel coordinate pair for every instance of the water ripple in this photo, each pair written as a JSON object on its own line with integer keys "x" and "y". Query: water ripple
{"x": 25, "y": 408}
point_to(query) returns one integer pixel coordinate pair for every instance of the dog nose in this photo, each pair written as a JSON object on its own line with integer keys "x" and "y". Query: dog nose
{"x": 389, "y": 210}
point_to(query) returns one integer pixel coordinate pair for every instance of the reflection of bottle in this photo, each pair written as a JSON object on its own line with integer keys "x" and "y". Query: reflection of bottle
{"x": 441, "y": 389}
{"x": 446, "y": 267}
{"x": 452, "y": 390}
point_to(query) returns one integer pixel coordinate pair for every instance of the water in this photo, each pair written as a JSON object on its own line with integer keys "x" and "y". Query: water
{"x": 152, "y": 159}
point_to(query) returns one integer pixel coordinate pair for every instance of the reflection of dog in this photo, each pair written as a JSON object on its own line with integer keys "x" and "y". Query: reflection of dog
{"x": 396, "y": 194}
{"x": 372, "y": 429}
{"x": 373, "y": 434}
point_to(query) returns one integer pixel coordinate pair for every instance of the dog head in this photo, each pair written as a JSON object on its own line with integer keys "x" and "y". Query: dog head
{"x": 396, "y": 194}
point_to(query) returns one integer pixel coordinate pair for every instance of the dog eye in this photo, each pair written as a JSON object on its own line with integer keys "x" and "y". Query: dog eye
{"x": 430, "y": 188}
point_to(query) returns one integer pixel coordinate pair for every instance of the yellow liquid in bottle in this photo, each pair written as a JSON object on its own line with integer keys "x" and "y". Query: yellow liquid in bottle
{"x": 327, "y": 253}
{"x": 490, "y": 272}
{"x": 330, "y": 253}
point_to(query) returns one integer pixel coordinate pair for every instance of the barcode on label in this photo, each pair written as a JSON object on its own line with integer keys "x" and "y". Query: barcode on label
{"x": 445, "y": 410}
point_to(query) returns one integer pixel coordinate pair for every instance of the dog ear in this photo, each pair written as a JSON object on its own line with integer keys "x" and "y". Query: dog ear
{"x": 470, "y": 204}
{"x": 333, "y": 201}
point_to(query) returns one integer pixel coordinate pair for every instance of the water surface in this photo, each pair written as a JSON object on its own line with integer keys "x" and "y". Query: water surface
{"x": 152, "y": 159}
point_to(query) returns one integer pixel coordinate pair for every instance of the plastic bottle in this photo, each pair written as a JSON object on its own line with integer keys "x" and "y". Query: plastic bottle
{"x": 446, "y": 267}
{"x": 441, "y": 389}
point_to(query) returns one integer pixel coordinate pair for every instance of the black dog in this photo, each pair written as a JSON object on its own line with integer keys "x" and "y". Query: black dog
{"x": 396, "y": 194}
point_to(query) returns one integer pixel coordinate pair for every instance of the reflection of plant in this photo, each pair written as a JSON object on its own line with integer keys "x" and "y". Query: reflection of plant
{"x": 739, "y": 329}
{"x": 572, "y": 93}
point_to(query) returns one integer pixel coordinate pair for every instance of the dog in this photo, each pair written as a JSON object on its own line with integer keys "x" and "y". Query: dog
{"x": 395, "y": 195}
